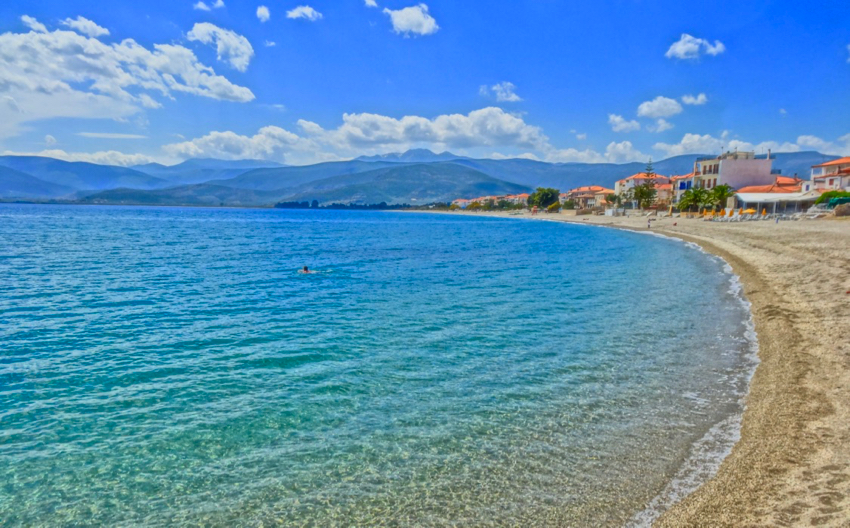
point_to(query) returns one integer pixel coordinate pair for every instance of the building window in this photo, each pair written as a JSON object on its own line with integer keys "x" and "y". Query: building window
{"x": 831, "y": 181}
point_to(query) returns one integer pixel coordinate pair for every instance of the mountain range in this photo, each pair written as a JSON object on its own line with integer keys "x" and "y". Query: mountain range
{"x": 417, "y": 176}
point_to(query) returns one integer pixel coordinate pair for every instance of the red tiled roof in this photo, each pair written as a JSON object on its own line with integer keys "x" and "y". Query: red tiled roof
{"x": 783, "y": 184}
{"x": 839, "y": 161}
{"x": 643, "y": 176}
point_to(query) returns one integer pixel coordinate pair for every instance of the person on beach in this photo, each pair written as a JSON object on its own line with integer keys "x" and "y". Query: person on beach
{"x": 648, "y": 223}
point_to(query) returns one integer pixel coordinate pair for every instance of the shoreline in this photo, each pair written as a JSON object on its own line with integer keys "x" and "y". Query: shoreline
{"x": 791, "y": 463}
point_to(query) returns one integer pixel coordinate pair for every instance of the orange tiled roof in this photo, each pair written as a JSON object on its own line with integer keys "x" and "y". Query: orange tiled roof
{"x": 683, "y": 176}
{"x": 839, "y": 161}
{"x": 783, "y": 184}
{"x": 642, "y": 176}
{"x": 664, "y": 186}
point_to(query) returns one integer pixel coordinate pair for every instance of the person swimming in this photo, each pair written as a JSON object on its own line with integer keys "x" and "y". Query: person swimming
{"x": 305, "y": 270}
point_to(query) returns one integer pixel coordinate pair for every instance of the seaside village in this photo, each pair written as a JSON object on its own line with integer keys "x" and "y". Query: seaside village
{"x": 734, "y": 186}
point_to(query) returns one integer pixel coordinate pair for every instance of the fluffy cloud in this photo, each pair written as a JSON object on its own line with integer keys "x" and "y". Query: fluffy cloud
{"x": 85, "y": 26}
{"x": 688, "y": 47}
{"x": 304, "y": 12}
{"x": 371, "y": 3}
{"x": 49, "y": 140}
{"x": 574, "y": 156}
{"x": 661, "y": 125}
{"x": 620, "y": 124}
{"x": 230, "y": 46}
{"x": 623, "y": 152}
{"x": 707, "y": 144}
{"x": 109, "y": 157}
{"x": 504, "y": 92}
{"x": 413, "y": 20}
{"x": 33, "y": 24}
{"x": 370, "y": 133}
{"x": 614, "y": 153}
{"x": 263, "y": 13}
{"x": 659, "y": 107}
{"x": 700, "y": 99}
{"x": 67, "y": 74}
{"x": 848, "y": 51}
{"x": 202, "y": 6}
{"x": 269, "y": 142}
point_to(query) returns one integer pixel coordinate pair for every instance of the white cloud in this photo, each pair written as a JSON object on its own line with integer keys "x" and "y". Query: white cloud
{"x": 581, "y": 137}
{"x": 65, "y": 74}
{"x": 504, "y": 92}
{"x": 698, "y": 100}
{"x": 108, "y": 135}
{"x": 109, "y": 157}
{"x": 371, "y": 3}
{"x": 304, "y": 12}
{"x": 848, "y": 51}
{"x": 707, "y": 144}
{"x": 202, "y": 6}
{"x": 85, "y": 26}
{"x": 623, "y": 152}
{"x": 783, "y": 112}
{"x": 659, "y": 107}
{"x": 688, "y": 47}
{"x": 575, "y": 155}
{"x": 269, "y": 142}
{"x": 370, "y": 133}
{"x": 270, "y": 43}
{"x": 412, "y": 20}
{"x": 230, "y": 46}
{"x": 526, "y": 155}
{"x": 263, "y": 13}
{"x": 49, "y": 140}
{"x": 661, "y": 125}
{"x": 620, "y": 124}
{"x": 33, "y": 24}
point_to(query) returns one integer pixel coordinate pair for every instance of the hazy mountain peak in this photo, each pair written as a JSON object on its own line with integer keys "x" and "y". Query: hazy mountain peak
{"x": 412, "y": 156}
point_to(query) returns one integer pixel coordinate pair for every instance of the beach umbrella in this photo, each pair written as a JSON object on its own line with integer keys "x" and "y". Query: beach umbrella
{"x": 764, "y": 211}
{"x": 741, "y": 211}
{"x": 750, "y": 211}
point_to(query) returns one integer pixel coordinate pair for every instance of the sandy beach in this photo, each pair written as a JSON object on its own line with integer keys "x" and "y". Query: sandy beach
{"x": 791, "y": 466}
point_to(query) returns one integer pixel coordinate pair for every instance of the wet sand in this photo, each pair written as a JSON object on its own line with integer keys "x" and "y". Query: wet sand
{"x": 791, "y": 466}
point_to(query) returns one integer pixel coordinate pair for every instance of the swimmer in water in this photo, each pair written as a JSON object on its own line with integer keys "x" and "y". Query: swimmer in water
{"x": 305, "y": 270}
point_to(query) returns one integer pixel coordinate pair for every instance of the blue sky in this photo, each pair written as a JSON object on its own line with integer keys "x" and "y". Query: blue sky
{"x": 332, "y": 79}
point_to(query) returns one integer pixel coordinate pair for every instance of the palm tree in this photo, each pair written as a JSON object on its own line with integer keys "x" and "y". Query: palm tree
{"x": 721, "y": 193}
{"x": 696, "y": 197}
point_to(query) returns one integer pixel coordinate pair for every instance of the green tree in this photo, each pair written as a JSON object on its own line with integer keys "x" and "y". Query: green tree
{"x": 474, "y": 206}
{"x": 454, "y": 207}
{"x": 543, "y": 197}
{"x": 698, "y": 198}
{"x": 504, "y": 204}
{"x": 569, "y": 204}
{"x": 645, "y": 193}
{"x": 554, "y": 207}
{"x": 720, "y": 194}
{"x": 829, "y": 195}
{"x": 613, "y": 199}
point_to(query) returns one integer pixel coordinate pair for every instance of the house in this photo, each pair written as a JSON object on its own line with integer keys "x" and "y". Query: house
{"x": 461, "y": 202}
{"x": 640, "y": 178}
{"x": 585, "y": 197}
{"x": 517, "y": 199}
{"x": 735, "y": 169}
{"x": 601, "y": 197}
{"x": 832, "y": 176}
{"x": 664, "y": 193}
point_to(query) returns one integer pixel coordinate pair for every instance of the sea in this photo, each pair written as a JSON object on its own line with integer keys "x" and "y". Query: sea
{"x": 164, "y": 366}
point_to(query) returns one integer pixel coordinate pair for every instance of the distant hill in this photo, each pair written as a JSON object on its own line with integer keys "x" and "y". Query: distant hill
{"x": 412, "y": 156}
{"x": 414, "y": 184}
{"x": 17, "y": 184}
{"x": 201, "y": 170}
{"x": 288, "y": 177}
{"x": 415, "y": 176}
{"x": 80, "y": 175}
{"x": 199, "y": 194}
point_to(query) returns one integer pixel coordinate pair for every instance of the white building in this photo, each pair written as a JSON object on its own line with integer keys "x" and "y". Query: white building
{"x": 830, "y": 176}
{"x": 735, "y": 169}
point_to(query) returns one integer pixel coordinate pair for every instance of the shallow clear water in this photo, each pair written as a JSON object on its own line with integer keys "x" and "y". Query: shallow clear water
{"x": 164, "y": 366}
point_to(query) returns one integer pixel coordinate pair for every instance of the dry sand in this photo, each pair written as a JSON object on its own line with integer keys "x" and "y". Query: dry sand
{"x": 791, "y": 466}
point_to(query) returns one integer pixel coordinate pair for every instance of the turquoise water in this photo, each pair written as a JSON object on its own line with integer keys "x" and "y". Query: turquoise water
{"x": 165, "y": 366}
